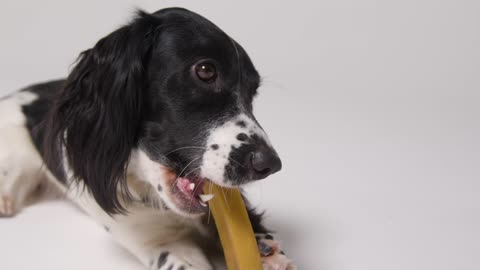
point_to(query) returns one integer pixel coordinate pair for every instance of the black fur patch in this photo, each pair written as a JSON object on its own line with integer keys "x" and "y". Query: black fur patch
{"x": 36, "y": 114}
{"x": 241, "y": 124}
{"x": 214, "y": 146}
{"x": 242, "y": 137}
{"x": 162, "y": 259}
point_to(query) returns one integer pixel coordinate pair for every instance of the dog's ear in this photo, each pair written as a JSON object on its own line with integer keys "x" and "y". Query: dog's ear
{"x": 96, "y": 117}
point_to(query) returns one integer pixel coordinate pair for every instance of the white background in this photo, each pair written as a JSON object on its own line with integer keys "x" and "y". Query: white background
{"x": 373, "y": 106}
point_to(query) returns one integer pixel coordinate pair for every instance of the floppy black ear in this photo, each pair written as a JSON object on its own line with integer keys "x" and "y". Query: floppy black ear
{"x": 97, "y": 115}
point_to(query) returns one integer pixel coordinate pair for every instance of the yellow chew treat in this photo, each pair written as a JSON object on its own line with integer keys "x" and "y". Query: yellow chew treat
{"x": 234, "y": 228}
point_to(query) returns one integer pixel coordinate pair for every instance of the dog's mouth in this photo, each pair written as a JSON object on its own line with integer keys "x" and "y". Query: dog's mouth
{"x": 188, "y": 196}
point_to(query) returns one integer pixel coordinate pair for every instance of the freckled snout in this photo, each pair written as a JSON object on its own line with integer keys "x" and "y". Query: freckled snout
{"x": 239, "y": 152}
{"x": 264, "y": 161}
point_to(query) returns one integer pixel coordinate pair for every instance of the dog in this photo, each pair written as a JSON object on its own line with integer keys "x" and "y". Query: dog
{"x": 143, "y": 119}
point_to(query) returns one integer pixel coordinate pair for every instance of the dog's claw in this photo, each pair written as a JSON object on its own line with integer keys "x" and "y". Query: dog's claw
{"x": 265, "y": 250}
{"x": 273, "y": 258}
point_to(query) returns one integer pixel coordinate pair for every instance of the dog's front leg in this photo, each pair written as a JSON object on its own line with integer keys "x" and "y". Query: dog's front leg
{"x": 160, "y": 243}
{"x": 156, "y": 254}
{"x": 159, "y": 238}
{"x": 182, "y": 255}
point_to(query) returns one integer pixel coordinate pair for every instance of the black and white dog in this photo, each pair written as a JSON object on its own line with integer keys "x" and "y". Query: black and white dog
{"x": 144, "y": 117}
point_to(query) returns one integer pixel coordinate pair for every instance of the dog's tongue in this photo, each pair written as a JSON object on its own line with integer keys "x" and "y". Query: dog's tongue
{"x": 185, "y": 185}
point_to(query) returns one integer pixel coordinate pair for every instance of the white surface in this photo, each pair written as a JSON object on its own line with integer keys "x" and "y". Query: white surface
{"x": 373, "y": 105}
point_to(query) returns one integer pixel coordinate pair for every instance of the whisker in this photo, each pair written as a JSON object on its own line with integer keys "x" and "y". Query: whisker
{"x": 201, "y": 147}
{"x": 192, "y": 171}
{"x": 186, "y": 147}
{"x": 178, "y": 176}
{"x": 209, "y": 211}
{"x": 225, "y": 199}
{"x": 199, "y": 184}
{"x": 208, "y": 218}
{"x": 239, "y": 164}
{"x": 193, "y": 191}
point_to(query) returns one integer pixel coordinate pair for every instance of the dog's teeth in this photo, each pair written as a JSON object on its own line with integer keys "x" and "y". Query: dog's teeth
{"x": 203, "y": 204}
{"x": 206, "y": 197}
{"x": 192, "y": 186}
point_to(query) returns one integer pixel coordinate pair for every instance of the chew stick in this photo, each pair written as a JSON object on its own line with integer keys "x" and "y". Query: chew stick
{"x": 234, "y": 228}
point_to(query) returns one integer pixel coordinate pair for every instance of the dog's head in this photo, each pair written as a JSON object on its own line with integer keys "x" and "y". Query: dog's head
{"x": 167, "y": 98}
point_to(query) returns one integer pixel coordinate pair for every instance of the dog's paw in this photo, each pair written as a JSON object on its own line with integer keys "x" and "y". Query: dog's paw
{"x": 273, "y": 258}
{"x": 7, "y": 206}
{"x": 168, "y": 261}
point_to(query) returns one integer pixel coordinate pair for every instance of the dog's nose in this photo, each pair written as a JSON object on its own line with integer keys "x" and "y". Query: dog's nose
{"x": 264, "y": 162}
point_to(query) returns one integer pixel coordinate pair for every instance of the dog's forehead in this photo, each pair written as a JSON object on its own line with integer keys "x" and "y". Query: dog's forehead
{"x": 186, "y": 36}
{"x": 188, "y": 39}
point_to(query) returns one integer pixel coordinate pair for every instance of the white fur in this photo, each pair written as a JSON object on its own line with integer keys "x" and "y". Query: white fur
{"x": 214, "y": 161}
{"x": 11, "y": 110}
{"x": 147, "y": 232}
{"x": 20, "y": 164}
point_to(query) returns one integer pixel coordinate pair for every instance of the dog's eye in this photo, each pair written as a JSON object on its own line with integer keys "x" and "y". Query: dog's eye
{"x": 206, "y": 72}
